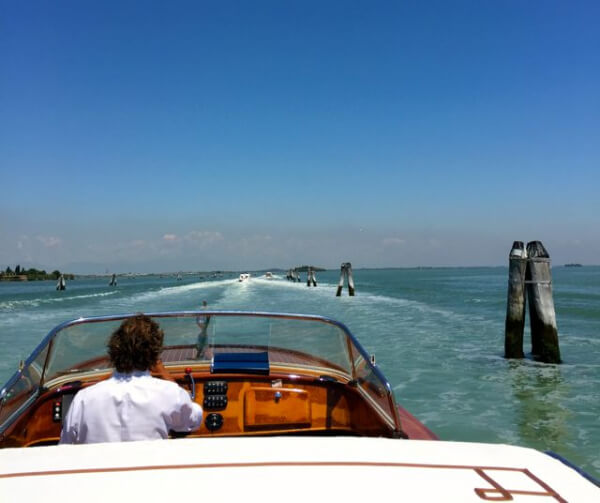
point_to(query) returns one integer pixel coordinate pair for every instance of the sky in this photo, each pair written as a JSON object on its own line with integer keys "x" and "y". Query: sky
{"x": 165, "y": 136}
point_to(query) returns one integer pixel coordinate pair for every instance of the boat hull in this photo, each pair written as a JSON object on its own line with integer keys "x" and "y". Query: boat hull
{"x": 292, "y": 469}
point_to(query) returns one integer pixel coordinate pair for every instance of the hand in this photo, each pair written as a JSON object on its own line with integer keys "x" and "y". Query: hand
{"x": 160, "y": 371}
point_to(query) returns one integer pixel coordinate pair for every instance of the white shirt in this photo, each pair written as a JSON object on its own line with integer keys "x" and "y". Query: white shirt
{"x": 132, "y": 406}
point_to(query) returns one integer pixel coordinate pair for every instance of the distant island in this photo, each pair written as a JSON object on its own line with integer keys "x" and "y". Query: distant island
{"x": 573, "y": 265}
{"x": 305, "y": 268}
{"x": 31, "y": 274}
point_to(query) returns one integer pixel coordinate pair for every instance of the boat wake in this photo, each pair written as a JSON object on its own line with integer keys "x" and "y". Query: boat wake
{"x": 18, "y": 304}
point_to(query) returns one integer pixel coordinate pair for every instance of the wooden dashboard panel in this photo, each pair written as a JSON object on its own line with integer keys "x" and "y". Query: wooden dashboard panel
{"x": 256, "y": 405}
{"x": 269, "y": 408}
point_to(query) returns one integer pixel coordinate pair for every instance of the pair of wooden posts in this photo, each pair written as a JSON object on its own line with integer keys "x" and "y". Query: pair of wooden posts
{"x": 311, "y": 277}
{"x": 293, "y": 275}
{"x": 529, "y": 270}
{"x": 346, "y": 273}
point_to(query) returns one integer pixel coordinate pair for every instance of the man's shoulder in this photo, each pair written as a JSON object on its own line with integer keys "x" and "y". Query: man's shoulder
{"x": 164, "y": 384}
{"x": 94, "y": 388}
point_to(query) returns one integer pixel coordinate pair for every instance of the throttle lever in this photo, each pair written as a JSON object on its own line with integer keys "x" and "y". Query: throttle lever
{"x": 188, "y": 372}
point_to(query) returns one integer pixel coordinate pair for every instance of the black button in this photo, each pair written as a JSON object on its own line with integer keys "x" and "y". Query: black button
{"x": 214, "y": 421}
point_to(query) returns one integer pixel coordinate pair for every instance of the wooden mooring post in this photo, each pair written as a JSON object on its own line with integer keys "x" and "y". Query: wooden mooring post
{"x": 542, "y": 316}
{"x": 529, "y": 271}
{"x": 515, "y": 305}
{"x": 346, "y": 272}
{"x": 311, "y": 278}
{"x": 293, "y": 275}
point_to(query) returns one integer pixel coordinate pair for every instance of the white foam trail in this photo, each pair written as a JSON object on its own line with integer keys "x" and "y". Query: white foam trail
{"x": 373, "y": 300}
{"x": 16, "y": 304}
{"x": 177, "y": 290}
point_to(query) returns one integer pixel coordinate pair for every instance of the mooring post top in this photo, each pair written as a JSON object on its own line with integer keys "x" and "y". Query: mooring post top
{"x": 535, "y": 249}
{"x": 518, "y": 250}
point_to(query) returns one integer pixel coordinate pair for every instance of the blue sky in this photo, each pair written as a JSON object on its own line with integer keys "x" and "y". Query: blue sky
{"x": 146, "y": 136}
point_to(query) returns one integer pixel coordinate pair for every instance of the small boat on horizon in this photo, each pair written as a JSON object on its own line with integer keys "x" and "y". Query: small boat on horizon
{"x": 244, "y": 277}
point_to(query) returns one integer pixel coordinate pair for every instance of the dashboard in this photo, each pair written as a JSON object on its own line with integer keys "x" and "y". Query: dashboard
{"x": 233, "y": 405}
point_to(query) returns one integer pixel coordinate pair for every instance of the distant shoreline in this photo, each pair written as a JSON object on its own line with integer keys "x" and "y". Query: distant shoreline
{"x": 42, "y": 276}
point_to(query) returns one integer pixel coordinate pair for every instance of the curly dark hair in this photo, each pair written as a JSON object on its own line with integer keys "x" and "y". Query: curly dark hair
{"x": 136, "y": 344}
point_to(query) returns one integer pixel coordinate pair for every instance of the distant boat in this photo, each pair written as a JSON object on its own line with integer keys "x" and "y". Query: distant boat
{"x": 244, "y": 277}
{"x": 61, "y": 284}
{"x": 113, "y": 280}
{"x": 269, "y": 275}
{"x": 573, "y": 265}
{"x": 179, "y": 277}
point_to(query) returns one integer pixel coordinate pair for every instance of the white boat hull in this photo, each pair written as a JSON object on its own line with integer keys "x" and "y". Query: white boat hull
{"x": 289, "y": 469}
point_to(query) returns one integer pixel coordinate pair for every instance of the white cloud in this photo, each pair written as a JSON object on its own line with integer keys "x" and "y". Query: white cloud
{"x": 204, "y": 237}
{"x": 50, "y": 241}
{"x": 393, "y": 241}
{"x": 170, "y": 237}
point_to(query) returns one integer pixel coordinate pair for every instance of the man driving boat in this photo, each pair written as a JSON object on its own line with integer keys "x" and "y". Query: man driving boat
{"x": 131, "y": 404}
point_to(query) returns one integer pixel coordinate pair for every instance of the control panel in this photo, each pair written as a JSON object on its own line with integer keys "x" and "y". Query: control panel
{"x": 215, "y": 398}
{"x": 57, "y": 411}
{"x": 60, "y": 407}
{"x": 215, "y": 402}
{"x": 215, "y": 388}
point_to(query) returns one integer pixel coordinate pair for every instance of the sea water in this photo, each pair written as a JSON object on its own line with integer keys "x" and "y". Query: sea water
{"x": 437, "y": 335}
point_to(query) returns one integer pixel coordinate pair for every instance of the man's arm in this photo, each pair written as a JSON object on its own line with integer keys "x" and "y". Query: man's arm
{"x": 187, "y": 415}
{"x": 159, "y": 370}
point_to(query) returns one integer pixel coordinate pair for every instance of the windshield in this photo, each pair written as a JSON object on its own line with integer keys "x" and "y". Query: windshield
{"x": 301, "y": 342}
{"x": 198, "y": 337}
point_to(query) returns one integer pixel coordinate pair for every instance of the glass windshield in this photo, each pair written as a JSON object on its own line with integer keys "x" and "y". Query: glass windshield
{"x": 192, "y": 338}
{"x": 23, "y": 388}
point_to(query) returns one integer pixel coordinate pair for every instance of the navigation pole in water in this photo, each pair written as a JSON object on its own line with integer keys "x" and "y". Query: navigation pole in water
{"x": 62, "y": 284}
{"x": 542, "y": 317}
{"x": 311, "y": 278}
{"x": 529, "y": 271}
{"x": 515, "y": 305}
{"x": 346, "y": 272}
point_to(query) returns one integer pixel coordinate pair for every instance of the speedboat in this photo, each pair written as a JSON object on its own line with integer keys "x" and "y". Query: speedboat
{"x": 244, "y": 277}
{"x": 294, "y": 408}
{"x": 269, "y": 275}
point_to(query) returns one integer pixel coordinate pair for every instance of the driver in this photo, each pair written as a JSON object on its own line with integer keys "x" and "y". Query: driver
{"x": 131, "y": 404}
